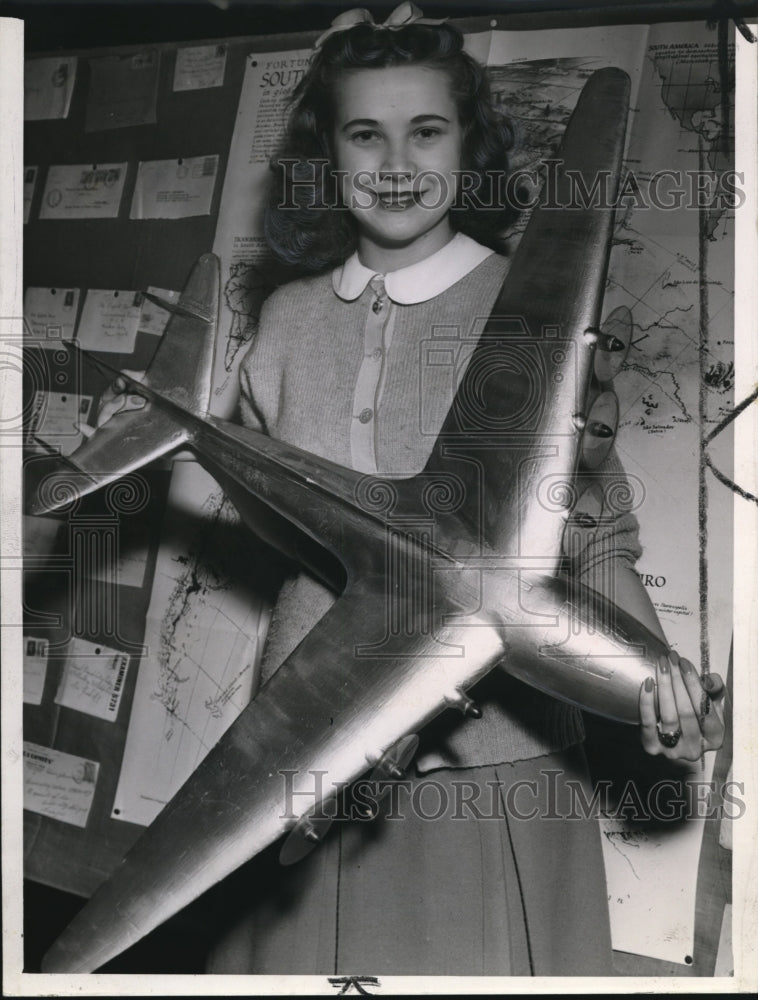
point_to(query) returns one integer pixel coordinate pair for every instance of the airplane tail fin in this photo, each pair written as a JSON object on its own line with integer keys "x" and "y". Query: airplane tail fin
{"x": 182, "y": 367}
{"x": 140, "y": 431}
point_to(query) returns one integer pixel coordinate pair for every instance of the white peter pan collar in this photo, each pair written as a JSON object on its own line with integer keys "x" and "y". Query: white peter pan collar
{"x": 417, "y": 282}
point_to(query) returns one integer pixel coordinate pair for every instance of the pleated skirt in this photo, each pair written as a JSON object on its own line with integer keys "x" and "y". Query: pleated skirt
{"x": 489, "y": 870}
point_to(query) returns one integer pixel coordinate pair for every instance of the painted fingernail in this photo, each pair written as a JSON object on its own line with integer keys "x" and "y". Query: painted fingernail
{"x": 674, "y": 657}
{"x": 711, "y": 684}
{"x": 649, "y": 684}
{"x": 685, "y": 666}
{"x": 663, "y": 665}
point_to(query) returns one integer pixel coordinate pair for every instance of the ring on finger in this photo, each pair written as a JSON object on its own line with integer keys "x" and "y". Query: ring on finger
{"x": 670, "y": 739}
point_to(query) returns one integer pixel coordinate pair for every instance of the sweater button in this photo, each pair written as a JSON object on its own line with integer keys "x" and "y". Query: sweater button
{"x": 377, "y": 353}
{"x": 377, "y": 307}
{"x": 365, "y": 415}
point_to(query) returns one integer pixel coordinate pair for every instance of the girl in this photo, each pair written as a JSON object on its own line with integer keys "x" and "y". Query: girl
{"x": 385, "y": 125}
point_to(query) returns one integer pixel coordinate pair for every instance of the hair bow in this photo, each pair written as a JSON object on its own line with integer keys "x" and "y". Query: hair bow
{"x": 403, "y": 15}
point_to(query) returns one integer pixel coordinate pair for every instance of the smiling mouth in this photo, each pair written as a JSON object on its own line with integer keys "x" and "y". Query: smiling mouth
{"x": 398, "y": 201}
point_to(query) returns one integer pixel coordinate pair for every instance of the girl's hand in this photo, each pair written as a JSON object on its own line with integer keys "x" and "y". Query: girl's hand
{"x": 690, "y": 715}
{"x": 114, "y": 399}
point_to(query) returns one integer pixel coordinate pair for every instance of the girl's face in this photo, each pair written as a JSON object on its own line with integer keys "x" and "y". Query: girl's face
{"x": 397, "y": 145}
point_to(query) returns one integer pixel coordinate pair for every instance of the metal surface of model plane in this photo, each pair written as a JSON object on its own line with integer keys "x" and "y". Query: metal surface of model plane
{"x": 449, "y": 573}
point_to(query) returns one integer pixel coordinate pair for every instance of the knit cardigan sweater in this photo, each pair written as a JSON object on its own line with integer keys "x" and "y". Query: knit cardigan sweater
{"x": 297, "y": 384}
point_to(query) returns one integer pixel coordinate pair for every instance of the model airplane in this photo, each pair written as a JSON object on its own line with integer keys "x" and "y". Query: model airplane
{"x": 449, "y": 573}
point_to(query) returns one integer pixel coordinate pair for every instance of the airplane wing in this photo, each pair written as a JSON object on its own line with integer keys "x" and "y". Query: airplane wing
{"x": 312, "y": 716}
{"x": 535, "y": 406}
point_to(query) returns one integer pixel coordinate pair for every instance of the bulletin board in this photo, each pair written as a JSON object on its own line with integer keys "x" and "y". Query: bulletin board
{"x": 92, "y": 574}
{"x": 129, "y": 256}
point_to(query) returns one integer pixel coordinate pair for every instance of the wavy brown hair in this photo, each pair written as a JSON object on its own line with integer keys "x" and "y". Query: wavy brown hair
{"x": 305, "y": 223}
